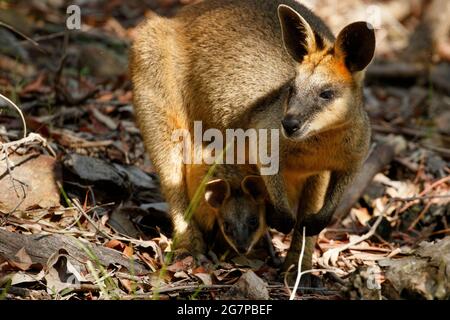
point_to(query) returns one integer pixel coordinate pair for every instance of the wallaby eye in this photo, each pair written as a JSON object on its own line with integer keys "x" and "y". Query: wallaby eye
{"x": 253, "y": 222}
{"x": 327, "y": 95}
{"x": 290, "y": 92}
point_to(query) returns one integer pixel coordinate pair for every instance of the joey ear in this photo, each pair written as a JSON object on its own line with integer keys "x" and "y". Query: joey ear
{"x": 298, "y": 37}
{"x": 255, "y": 187}
{"x": 216, "y": 192}
{"x": 356, "y": 45}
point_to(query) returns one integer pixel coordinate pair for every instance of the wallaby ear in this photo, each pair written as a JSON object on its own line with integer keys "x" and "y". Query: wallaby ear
{"x": 356, "y": 45}
{"x": 298, "y": 37}
{"x": 216, "y": 192}
{"x": 255, "y": 187}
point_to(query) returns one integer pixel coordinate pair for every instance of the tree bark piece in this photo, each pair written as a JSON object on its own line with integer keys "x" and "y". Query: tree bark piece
{"x": 41, "y": 247}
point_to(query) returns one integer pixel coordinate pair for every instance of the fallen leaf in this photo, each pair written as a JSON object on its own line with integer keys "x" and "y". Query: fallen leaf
{"x": 361, "y": 214}
{"x": 35, "y": 183}
{"x": 25, "y": 277}
{"x": 23, "y": 261}
{"x": 62, "y": 273}
{"x": 115, "y": 244}
{"x": 128, "y": 251}
{"x": 127, "y": 284}
{"x": 181, "y": 265}
{"x": 205, "y": 278}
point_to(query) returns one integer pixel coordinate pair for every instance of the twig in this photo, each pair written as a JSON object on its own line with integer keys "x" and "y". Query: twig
{"x": 327, "y": 255}
{"x": 13, "y": 181}
{"x": 300, "y": 260}
{"x": 440, "y": 232}
{"x": 12, "y": 104}
{"x": 420, "y": 216}
{"x": 80, "y": 209}
{"x": 11, "y": 28}
{"x": 300, "y": 273}
{"x": 395, "y": 71}
{"x": 399, "y": 130}
{"x": 30, "y": 139}
{"x": 285, "y": 280}
{"x": 194, "y": 287}
{"x": 436, "y": 196}
{"x": 422, "y": 194}
{"x": 444, "y": 152}
{"x": 434, "y": 185}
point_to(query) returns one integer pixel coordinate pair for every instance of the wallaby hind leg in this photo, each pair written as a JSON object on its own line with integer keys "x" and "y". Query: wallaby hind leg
{"x": 160, "y": 112}
{"x": 170, "y": 167}
{"x": 290, "y": 265}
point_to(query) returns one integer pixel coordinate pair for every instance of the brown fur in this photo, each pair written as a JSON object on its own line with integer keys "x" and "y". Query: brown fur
{"x": 224, "y": 62}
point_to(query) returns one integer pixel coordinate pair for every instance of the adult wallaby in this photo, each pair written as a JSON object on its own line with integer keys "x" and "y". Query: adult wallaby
{"x": 257, "y": 63}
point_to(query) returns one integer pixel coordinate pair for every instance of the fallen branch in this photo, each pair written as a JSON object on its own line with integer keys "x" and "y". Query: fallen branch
{"x": 395, "y": 70}
{"x": 41, "y": 247}
{"x": 11, "y": 28}
{"x": 300, "y": 260}
{"x": 381, "y": 156}
{"x": 92, "y": 222}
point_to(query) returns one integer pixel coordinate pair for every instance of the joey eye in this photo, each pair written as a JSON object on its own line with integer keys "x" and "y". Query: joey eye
{"x": 253, "y": 222}
{"x": 327, "y": 95}
{"x": 227, "y": 227}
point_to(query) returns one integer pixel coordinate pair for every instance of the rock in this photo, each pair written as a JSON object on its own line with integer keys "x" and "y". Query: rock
{"x": 423, "y": 275}
{"x": 138, "y": 178}
{"x": 136, "y": 221}
{"x": 156, "y": 215}
{"x": 113, "y": 181}
{"x": 96, "y": 171}
{"x": 120, "y": 221}
{"x": 249, "y": 286}
{"x": 365, "y": 283}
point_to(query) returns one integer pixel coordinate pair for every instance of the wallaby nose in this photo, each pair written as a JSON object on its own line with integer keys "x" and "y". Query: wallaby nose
{"x": 290, "y": 125}
{"x": 242, "y": 249}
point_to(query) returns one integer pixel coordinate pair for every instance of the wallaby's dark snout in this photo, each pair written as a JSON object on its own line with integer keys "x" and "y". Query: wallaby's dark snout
{"x": 290, "y": 125}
